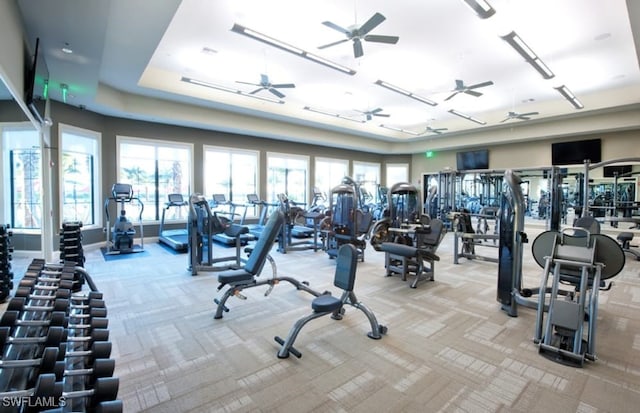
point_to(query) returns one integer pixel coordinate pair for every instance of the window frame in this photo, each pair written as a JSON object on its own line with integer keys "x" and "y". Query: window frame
{"x": 156, "y": 144}
{"x": 96, "y": 187}
{"x": 7, "y": 212}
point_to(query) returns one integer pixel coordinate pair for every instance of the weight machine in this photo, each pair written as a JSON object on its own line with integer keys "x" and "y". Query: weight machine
{"x": 291, "y": 229}
{"x": 348, "y": 222}
{"x": 203, "y": 225}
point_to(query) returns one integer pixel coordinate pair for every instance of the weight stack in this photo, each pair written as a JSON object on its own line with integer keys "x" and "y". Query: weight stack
{"x": 6, "y": 275}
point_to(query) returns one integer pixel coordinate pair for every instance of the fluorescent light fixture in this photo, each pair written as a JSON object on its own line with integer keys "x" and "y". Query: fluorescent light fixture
{"x": 467, "y": 117}
{"x": 289, "y": 48}
{"x": 409, "y": 132}
{"x": 529, "y": 55}
{"x": 482, "y": 8}
{"x": 335, "y": 115}
{"x": 564, "y": 91}
{"x": 405, "y": 92}
{"x": 228, "y": 89}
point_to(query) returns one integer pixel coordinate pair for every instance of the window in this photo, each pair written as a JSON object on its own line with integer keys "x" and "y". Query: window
{"x": 155, "y": 169}
{"x": 287, "y": 174}
{"x": 329, "y": 173}
{"x": 79, "y": 177}
{"x": 232, "y": 172}
{"x": 397, "y": 172}
{"x": 22, "y": 160}
{"x": 368, "y": 176}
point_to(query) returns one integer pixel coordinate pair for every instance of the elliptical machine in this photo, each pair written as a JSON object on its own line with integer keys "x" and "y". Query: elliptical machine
{"x": 120, "y": 236}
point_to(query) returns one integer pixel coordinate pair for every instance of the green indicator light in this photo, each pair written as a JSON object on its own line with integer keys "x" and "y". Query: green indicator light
{"x": 429, "y": 154}
{"x": 45, "y": 91}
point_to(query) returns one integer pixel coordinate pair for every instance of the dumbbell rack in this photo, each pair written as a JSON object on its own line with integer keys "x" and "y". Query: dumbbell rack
{"x": 6, "y": 275}
{"x": 55, "y": 353}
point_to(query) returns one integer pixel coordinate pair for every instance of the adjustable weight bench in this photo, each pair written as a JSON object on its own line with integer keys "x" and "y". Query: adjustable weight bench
{"x": 246, "y": 276}
{"x": 325, "y": 304}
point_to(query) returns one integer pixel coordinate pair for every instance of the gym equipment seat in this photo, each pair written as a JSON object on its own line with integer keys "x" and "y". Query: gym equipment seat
{"x": 246, "y": 276}
{"x": 325, "y": 304}
{"x": 417, "y": 259}
{"x": 625, "y": 241}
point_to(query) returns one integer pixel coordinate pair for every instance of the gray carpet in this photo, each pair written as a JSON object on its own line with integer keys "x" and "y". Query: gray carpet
{"x": 449, "y": 347}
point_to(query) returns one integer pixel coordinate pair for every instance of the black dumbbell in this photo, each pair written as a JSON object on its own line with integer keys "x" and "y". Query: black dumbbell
{"x": 11, "y": 319}
{"x": 52, "y": 339}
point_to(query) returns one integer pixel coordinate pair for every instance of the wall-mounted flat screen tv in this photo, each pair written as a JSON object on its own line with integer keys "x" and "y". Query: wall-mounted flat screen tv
{"x": 472, "y": 160}
{"x": 36, "y": 82}
{"x": 611, "y": 171}
{"x": 575, "y": 152}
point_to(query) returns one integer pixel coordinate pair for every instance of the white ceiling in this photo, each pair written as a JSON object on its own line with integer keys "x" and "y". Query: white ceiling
{"x": 125, "y": 52}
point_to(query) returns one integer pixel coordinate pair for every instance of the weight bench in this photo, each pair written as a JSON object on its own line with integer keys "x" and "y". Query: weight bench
{"x": 246, "y": 276}
{"x": 325, "y": 304}
{"x": 418, "y": 259}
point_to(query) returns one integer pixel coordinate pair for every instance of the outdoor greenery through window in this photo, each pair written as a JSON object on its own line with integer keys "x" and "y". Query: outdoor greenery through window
{"x": 23, "y": 174}
{"x": 155, "y": 169}
{"x": 233, "y": 173}
{"x": 79, "y": 180}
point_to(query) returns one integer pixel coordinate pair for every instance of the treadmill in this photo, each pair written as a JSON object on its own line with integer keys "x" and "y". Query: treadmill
{"x": 177, "y": 239}
{"x": 254, "y": 200}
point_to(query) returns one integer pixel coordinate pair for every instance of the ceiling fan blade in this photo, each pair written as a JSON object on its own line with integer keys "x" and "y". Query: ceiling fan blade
{"x": 383, "y": 115}
{"x": 529, "y": 113}
{"x": 264, "y": 80}
{"x": 473, "y": 93}
{"x": 256, "y": 91}
{"x": 369, "y": 117}
{"x": 483, "y": 84}
{"x": 333, "y": 44}
{"x": 381, "y": 39}
{"x": 357, "y": 48}
{"x": 276, "y": 92}
{"x": 506, "y": 119}
{"x": 336, "y": 27}
{"x": 371, "y": 24}
{"x": 451, "y": 95}
{"x": 284, "y": 85}
{"x": 459, "y": 85}
{"x": 376, "y": 110}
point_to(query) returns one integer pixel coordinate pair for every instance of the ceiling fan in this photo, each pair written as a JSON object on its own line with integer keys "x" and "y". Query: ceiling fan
{"x": 462, "y": 88}
{"x": 375, "y": 112}
{"x": 435, "y": 130}
{"x": 265, "y": 84}
{"x": 357, "y": 34}
{"x": 516, "y": 115}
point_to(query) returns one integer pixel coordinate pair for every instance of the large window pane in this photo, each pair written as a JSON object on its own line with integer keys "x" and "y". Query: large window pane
{"x": 368, "y": 176}
{"x": 23, "y": 167}
{"x": 234, "y": 173}
{"x": 79, "y": 180}
{"x": 329, "y": 173}
{"x": 154, "y": 169}
{"x": 287, "y": 174}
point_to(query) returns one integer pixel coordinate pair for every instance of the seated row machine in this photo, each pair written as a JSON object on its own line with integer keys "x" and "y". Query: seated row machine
{"x": 325, "y": 304}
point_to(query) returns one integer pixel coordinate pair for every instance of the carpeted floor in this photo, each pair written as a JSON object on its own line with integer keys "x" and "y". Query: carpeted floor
{"x": 449, "y": 347}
